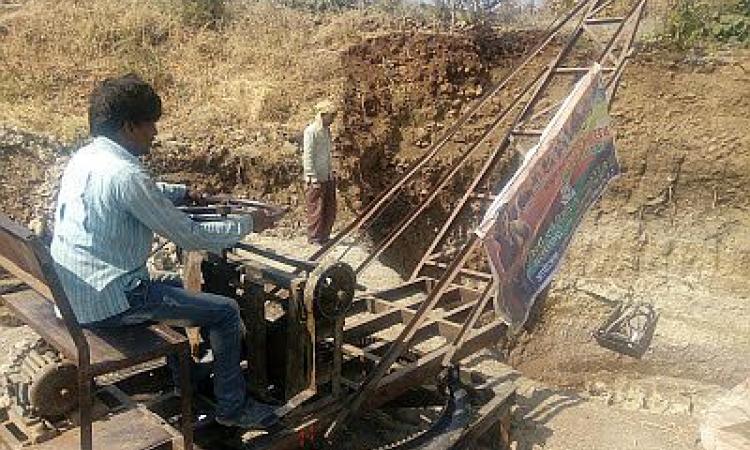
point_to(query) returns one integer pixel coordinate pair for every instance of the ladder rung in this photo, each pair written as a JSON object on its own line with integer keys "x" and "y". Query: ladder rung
{"x": 443, "y": 254}
{"x": 483, "y": 196}
{"x": 603, "y": 20}
{"x": 522, "y": 152}
{"x": 468, "y": 272}
{"x": 531, "y": 133}
{"x": 581, "y": 69}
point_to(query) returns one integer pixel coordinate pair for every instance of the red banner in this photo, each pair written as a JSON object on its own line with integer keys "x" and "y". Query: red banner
{"x": 530, "y": 224}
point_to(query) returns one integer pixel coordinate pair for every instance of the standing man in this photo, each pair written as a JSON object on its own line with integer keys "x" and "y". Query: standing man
{"x": 107, "y": 212}
{"x": 320, "y": 185}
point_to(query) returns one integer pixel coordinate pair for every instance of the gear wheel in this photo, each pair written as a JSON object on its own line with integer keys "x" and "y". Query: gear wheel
{"x": 39, "y": 383}
{"x": 330, "y": 287}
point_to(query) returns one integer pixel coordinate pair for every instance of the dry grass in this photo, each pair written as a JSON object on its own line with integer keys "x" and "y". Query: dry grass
{"x": 263, "y": 64}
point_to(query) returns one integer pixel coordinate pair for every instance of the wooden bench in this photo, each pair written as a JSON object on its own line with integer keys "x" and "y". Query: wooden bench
{"x": 94, "y": 352}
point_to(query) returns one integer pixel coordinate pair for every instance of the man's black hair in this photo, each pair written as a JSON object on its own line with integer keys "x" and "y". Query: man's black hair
{"x": 118, "y": 100}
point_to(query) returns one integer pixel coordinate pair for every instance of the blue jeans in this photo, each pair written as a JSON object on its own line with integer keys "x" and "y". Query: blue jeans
{"x": 166, "y": 302}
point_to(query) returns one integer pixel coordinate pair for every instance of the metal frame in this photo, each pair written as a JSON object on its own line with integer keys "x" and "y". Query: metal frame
{"x": 375, "y": 370}
{"x": 383, "y": 199}
{"x": 498, "y": 128}
{"x": 449, "y": 274}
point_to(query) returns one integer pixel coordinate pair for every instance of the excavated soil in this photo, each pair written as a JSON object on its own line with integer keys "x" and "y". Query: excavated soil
{"x": 402, "y": 89}
{"x": 673, "y": 230}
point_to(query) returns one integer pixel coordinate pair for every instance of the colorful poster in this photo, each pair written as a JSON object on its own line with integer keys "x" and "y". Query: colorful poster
{"x": 530, "y": 224}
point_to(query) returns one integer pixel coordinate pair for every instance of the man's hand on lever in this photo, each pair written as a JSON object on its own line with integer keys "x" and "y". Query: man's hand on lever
{"x": 264, "y": 215}
{"x": 196, "y": 197}
{"x": 263, "y": 218}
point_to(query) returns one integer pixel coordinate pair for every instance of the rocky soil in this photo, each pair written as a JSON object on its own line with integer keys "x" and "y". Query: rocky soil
{"x": 672, "y": 231}
{"x": 30, "y": 166}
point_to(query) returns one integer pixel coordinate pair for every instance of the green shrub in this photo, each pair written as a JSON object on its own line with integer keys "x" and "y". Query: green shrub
{"x": 695, "y": 22}
{"x": 687, "y": 24}
{"x": 732, "y": 28}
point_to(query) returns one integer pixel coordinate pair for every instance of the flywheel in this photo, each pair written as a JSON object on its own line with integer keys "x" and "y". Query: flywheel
{"x": 39, "y": 382}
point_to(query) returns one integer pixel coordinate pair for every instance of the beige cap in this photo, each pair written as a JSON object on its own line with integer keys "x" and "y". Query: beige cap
{"x": 325, "y": 107}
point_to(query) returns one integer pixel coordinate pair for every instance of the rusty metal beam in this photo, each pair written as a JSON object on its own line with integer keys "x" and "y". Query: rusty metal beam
{"x": 382, "y": 199}
{"x": 483, "y": 276}
{"x": 637, "y": 7}
{"x": 372, "y": 325}
{"x": 468, "y": 326}
{"x": 398, "y": 382}
{"x": 601, "y": 8}
{"x": 407, "y": 220}
{"x": 615, "y": 81}
{"x": 389, "y": 388}
{"x": 496, "y": 410}
{"x": 545, "y": 77}
{"x": 400, "y": 344}
{"x": 595, "y": 6}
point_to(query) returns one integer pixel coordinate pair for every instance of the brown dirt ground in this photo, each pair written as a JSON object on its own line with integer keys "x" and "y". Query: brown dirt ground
{"x": 672, "y": 230}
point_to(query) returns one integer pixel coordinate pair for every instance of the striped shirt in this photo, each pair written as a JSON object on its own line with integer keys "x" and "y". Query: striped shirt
{"x": 108, "y": 210}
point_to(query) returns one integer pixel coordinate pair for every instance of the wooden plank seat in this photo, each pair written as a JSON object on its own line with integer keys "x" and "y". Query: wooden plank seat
{"x": 111, "y": 349}
{"x": 95, "y": 352}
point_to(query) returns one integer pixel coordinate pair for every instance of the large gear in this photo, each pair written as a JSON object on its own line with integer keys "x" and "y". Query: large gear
{"x": 330, "y": 288}
{"x": 39, "y": 383}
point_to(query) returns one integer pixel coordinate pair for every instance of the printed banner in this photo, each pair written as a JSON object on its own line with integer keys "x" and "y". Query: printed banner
{"x": 531, "y": 222}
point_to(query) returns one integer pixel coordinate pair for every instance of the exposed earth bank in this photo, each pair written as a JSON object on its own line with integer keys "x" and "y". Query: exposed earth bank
{"x": 673, "y": 230}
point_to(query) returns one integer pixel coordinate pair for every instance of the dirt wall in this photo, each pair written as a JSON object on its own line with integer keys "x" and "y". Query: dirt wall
{"x": 673, "y": 230}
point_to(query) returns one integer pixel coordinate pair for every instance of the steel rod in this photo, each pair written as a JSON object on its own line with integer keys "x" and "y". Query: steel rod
{"x": 601, "y": 8}
{"x": 399, "y": 229}
{"x": 383, "y": 197}
{"x": 270, "y": 254}
{"x": 548, "y": 73}
{"x": 596, "y": 39}
{"x": 474, "y": 316}
{"x": 620, "y": 27}
{"x": 399, "y": 345}
{"x": 407, "y": 220}
{"x": 604, "y": 20}
{"x": 576, "y": 35}
{"x": 615, "y": 81}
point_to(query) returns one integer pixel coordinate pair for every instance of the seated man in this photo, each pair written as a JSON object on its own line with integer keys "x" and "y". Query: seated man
{"x": 107, "y": 212}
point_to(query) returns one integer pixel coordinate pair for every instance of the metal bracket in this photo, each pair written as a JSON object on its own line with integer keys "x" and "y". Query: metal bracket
{"x": 628, "y": 329}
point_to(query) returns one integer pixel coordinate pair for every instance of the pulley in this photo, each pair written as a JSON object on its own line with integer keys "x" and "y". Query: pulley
{"x": 330, "y": 288}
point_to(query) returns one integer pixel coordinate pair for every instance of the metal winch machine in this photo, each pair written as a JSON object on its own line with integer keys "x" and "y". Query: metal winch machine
{"x": 294, "y": 317}
{"x": 302, "y": 353}
{"x": 293, "y": 310}
{"x": 319, "y": 347}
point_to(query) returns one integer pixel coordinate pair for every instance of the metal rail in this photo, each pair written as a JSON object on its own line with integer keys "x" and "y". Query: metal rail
{"x": 519, "y": 127}
{"x": 377, "y": 205}
{"x": 635, "y": 16}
